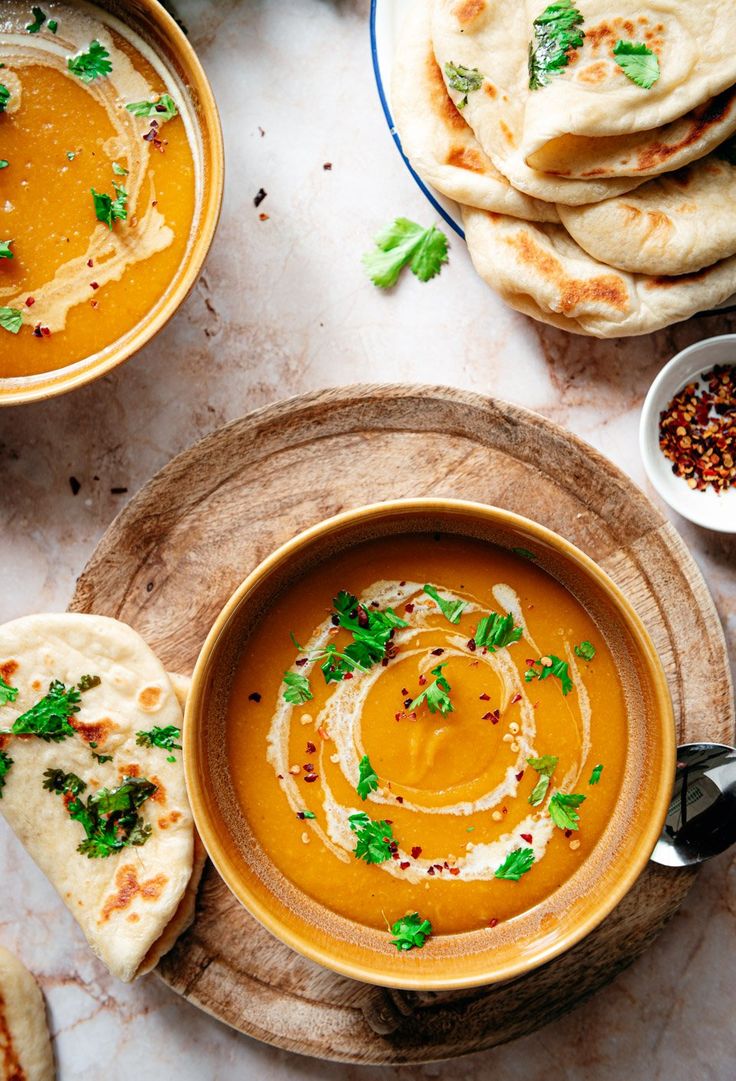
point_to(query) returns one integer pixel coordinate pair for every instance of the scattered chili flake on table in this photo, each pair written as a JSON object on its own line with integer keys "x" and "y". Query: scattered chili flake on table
{"x": 697, "y": 431}
{"x": 259, "y": 197}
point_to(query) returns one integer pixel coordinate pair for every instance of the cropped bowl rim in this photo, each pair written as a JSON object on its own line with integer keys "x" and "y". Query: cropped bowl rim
{"x": 44, "y": 385}
{"x": 328, "y": 957}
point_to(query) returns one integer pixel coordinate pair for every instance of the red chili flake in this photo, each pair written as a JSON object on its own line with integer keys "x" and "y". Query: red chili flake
{"x": 515, "y": 699}
{"x": 311, "y": 749}
{"x": 484, "y": 697}
{"x": 407, "y": 702}
{"x": 495, "y": 716}
{"x": 422, "y": 680}
{"x": 264, "y": 217}
{"x": 697, "y": 431}
{"x": 301, "y": 661}
{"x": 454, "y": 870}
{"x": 438, "y": 652}
{"x": 254, "y": 696}
{"x": 93, "y": 304}
{"x": 403, "y": 582}
{"x": 301, "y": 815}
{"x": 529, "y": 662}
{"x": 384, "y": 662}
{"x": 493, "y": 923}
{"x": 568, "y": 833}
{"x": 486, "y": 716}
{"x": 347, "y": 675}
{"x": 519, "y": 775}
{"x": 416, "y": 852}
{"x": 41, "y": 332}
{"x": 389, "y": 822}
{"x": 327, "y": 168}
{"x": 430, "y": 870}
{"x": 74, "y": 485}
{"x": 397, "y": 716}
{"x": 308, "y": 767}
{"x": 154, "y": 202}
{"x": 90, "y": 262}
{"x": 438, "y": 867}
{"x": 471, "y": 645}
{"x": 94, "y": 285}
{"x": 399, "y": 799}
{"x": 526, "y": 837}
{"x": 118, "y": 491}
{"x": 30, "y": 301}
{"x": 323, "y": 733}
{"x": 280, "y": 776}
{"x": 409, "y": 608}
{"x": 311, "y": 777}
{"x": 404, "y": 691}
{"x": 404, "y": 864}
{"x": 259, "y": 197}
{"x": 504, "y": 810}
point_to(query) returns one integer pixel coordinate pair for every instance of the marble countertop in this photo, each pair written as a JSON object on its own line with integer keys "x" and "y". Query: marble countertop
{"x": 283, "y": 307}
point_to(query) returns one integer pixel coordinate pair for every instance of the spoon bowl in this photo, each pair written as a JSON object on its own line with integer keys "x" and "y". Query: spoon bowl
{"x": 701, "y": 820}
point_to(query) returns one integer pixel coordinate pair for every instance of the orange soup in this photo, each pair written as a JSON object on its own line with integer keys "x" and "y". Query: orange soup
{"x": 427, "y": 725}
{"x": 98, "y": 185}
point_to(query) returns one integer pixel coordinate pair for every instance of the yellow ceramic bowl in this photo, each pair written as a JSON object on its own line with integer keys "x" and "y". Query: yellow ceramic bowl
{"x": 157, "y": 28}
{"x": 451, "y": 961}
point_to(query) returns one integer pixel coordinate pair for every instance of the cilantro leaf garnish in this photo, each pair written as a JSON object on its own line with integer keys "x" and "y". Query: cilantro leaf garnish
{"x": 39, "y": 18}
{"x": 11, "y": 319}
{"x": 562, "y": 809}
{"x": 297, "y": 690}
{"x": 119, "y": 170}
{"x": 63, "y": 783}
{"x": 109, "y": 816}
{"x": 7, "y": 693}
{"x": 596, "y": 774}
{"x": 405, "y": 243}
{"x": 109, "y": 210}
{"x": 638, "y": 63}
{"x": 496, "y": 632}
{"x": 162, "y": 110}
{"x": 374, "y": 839}
{"x": 586, "y": 650}
{"x": 464, "y": 80}
{"x": 5, "y": 252}
{"x": 52, "y": 25}
{"x": 306, "y": 814}
{"x": 102, "y": 758}
{"x": 4, "y": 97}
{"x": 451, "y": 610}
{"x": 550, "y": 666}
{"x": 86, "y": 683}
{"x": 556, "y": 34}
{"x": 410, "y": 932}
{"x": 545, "y": 767}
{"x": 5, "y": 763}
{"x": 161, "y": 737}
{"x": 91, "y": 65}
{"x": 4, "y": 163}
{"x": 368, "y": 781}
{"x": 436, "y": 694}
{"x": 371, "y": 629}
{"x": 516, "y": 864}
{"x": 49, "y": 718}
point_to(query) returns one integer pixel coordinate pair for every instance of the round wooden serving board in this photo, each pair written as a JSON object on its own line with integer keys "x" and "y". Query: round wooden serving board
{"x": 171, "y": 559}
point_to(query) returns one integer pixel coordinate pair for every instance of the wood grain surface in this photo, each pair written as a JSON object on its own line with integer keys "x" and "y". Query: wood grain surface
{"x": 168, "y": 563}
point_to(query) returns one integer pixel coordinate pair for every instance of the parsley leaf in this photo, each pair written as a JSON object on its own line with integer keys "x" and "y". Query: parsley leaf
{"x": 451, "y": 610}
{"x": 49, "y": 718}
{"x": 556, "y": 667}
{"x": 5, "y": 252}
{"x": 109, "y": 817}
{"x": 306, "y": 814}
{"x": 5, "y": 763}
{"x": 101, "y": 758}
{"x": 161, "y": 737}
{"x": 374, "y": 839}
{"x": 586, "y": 650}
{"x": 11, "y": 319}
{"x": 556, "y": 34}
{"x": 3, "y": 165}
{"x": 464, "y": 80}
{"x": 371, "y": 629}
{"x": 4, "y": 97}
{"x": 436, "y": 694}
{"x": 368, "y": 781}
{"x": 39, "y": 18}
{"x": 562, "y": 810}
{"x": 109, "y": 210}
{"x": 7, "y": 693}
{"x": 94, "y": 64}
{"x": 596, "y": 775}
{"x": 638, "y": 63}
{"x": 297, "y": 690}
{"x": 53, "y": 26}
{"x": 119, "y": 170}
{"x": 545, "y": 767}
{"x": 162, "y": 110}
{"x": 405, "y": 243}
{"x": 516, "y": 864}
{"x": 410, "y": 932}
{"x": 495, "y": 632}
{"x": 63, "y": 783}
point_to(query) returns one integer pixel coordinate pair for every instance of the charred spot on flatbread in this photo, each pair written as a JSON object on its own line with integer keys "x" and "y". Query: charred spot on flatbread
{"x": 129, "y": 888}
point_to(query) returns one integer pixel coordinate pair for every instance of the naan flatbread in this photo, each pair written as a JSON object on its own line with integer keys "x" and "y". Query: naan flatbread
{"x": 677, "y": 224}
{"x": 128, "y": 903}
{"x": 25, "y": 1045}
{"x": 540, "y": 270}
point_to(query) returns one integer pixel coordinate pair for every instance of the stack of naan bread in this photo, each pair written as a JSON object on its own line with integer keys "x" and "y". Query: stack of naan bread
{"x": 591, "y": 203}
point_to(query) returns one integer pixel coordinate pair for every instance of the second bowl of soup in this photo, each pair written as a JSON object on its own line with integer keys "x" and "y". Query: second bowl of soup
{"x": 429, "y": 744}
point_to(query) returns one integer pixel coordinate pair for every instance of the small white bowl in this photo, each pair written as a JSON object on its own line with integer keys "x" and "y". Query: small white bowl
{"x": 708, "y": 509}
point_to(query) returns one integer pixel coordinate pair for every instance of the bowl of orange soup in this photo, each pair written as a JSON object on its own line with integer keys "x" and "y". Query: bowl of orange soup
{"x": 429, "y": 744}
{"x": 111, "y": 179}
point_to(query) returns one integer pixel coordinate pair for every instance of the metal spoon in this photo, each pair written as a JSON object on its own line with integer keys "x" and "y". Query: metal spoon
{"x": 701, "y": 820}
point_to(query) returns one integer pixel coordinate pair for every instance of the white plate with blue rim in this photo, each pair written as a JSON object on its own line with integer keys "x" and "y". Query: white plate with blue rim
{"x": 386, "y": 17}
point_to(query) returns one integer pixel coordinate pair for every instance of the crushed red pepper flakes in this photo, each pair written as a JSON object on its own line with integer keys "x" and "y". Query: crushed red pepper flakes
{"x": 30, "y": 301}
{"x": 519, "y": 775}
{"x": 485, "y": 697}
{"x": 254, "y": 696}
{"x": 310, "y": 777}
{"x": 404, "y": 864}
{"x": 515, "y": 699}
{"x": 454, "y": 870}
{"x": 94, "y": 285}
{"x": 409, "y": 608}
{"x": 526, "y": 837}
{"x": 493, "y": 923}
{"x": 399, "y": 799}
{"x": 697, "y": 431}
{"x": 438, "y": 652}
{"x": 486, "y": 716}
{"x": 416, "y": 852}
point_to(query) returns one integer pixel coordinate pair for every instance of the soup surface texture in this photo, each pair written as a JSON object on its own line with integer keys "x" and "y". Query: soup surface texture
{"x": 437, "y": 733}
{"x": 97, "y": 200}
